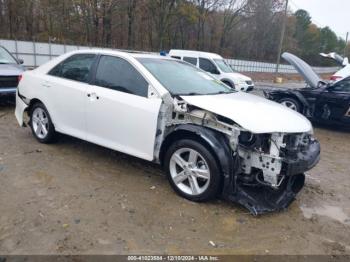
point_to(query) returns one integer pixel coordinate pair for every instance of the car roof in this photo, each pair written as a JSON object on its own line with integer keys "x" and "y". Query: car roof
{"x": 122, "y": 53}
{"x": 178, "y": 52}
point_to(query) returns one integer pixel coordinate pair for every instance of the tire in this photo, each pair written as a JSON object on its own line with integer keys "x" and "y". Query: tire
{"x": 291, "y": 103}
{"x": 201, "y": 179}
{"x": 41, "y": 125}
{"x": 229, "y": 84}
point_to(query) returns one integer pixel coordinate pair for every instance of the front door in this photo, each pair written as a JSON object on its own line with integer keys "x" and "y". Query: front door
{"x": 119, "y": 113}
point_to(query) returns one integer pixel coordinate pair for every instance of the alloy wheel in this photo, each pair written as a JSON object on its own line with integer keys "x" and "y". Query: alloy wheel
{"x": 40, "y": 123}
{"x": 290, "y": 105}
{"x": 189, "y": 171}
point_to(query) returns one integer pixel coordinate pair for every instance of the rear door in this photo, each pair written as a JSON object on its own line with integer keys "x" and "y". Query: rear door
{"x": 119, "y": 113}
{"x": 66, "y": 86}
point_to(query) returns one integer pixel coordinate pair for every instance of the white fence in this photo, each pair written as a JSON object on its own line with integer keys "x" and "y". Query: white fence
{"x": 35, "y": 54}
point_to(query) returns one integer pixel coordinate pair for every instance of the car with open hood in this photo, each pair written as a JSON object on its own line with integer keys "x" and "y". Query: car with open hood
{"x": 321, "y": 101}
{"x": 10, "y": 71}
{"x": 211, "y": 140}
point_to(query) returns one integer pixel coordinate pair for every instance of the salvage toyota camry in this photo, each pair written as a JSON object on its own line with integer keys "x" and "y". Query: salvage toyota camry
{"x": 211, "y": 140}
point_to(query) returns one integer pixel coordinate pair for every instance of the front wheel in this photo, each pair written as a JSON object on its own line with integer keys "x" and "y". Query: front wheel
{"x": 291, "y": 103}
{"x": 192, "y": 170}
{"x": 41, "y": 124}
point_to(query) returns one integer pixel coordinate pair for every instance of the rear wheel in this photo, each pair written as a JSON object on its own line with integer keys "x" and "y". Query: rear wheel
{"x": 41, "y": 124}
{"x": 291, "y": 103}
{"x": 192, "y": 170}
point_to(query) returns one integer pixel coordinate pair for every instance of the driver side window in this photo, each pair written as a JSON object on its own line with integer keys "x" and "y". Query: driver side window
{"x": 118, "y": 74}
{"x": 342, "y": 86}
{"x": 207, "y": 65}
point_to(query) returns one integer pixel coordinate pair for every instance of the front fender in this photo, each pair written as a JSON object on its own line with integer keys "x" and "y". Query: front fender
{"x": 276, "y": 95}
{"x": 217, "y": 142}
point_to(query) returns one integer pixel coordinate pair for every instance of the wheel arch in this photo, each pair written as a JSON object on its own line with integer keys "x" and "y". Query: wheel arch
{"x": 229, "y": 81}
{"x": 214, "y": 141}
{"x": 32, "y": 102}
{"x": 292, "y": 94}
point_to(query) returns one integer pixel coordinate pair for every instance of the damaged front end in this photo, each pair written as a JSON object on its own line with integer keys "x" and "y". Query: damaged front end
{"x": 269, "y": 170}
{"x": 262, "y": 172}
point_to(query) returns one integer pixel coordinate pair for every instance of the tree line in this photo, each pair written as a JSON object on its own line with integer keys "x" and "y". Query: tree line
{"x": 241, "y": 29}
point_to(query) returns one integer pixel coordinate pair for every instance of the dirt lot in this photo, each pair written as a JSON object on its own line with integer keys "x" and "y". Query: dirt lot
{"x": 75, "y": 197}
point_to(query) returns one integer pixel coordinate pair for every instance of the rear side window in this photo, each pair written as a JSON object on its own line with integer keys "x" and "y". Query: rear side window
{"x": 207, "y": 65}
{"x": 118, "y": 74}
{"x": 176, "y": 57}
{"x": 76, "y": 67}
{"x": 191, "y": 60}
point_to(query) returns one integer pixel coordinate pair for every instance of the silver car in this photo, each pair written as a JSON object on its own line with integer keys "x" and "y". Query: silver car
{"x": 10, "y": 71}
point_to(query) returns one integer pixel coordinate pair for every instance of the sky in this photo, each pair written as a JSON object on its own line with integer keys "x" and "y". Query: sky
{"x": 332, "y": 13}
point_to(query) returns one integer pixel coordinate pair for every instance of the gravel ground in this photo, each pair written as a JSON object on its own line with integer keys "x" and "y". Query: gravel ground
{"x": 74, "y": 197}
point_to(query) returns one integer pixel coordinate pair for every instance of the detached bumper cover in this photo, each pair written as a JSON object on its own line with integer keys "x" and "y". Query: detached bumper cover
{"x": 262, "y": 199}
{"x": 21, "y": 106}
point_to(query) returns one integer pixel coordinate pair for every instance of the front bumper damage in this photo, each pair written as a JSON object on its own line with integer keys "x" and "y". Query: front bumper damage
{"x": 262, "y": 172}
{"x": 260, "y": 199}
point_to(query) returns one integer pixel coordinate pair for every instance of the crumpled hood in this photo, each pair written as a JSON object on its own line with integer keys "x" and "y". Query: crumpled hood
{"x": 255, "y": 114}
{"x": 10, "y": 70}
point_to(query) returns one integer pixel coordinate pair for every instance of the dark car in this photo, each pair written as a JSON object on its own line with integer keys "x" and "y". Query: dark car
{"x": 10, "y": 71}
{"x": 320, "y": 101}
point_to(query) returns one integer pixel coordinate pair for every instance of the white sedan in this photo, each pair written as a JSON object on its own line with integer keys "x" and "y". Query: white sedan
{"x": 211, "y": 140}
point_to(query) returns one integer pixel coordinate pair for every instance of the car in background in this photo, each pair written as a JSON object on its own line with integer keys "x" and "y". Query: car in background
{"x": 216, "y": 66}
{"x": 10, "y": 72}
{"x": 320, "y": 101}
{"x": 211, "y": 140}
{"x": 341, "y": 61}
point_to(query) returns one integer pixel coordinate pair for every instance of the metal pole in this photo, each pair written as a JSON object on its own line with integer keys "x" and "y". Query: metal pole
{"x": 346, "y": 44}
{"x": 282, "y": 37}
{"x": 16, "y": 48}
{"x": 34, "y": 53}
{"x": 50, "y": 52}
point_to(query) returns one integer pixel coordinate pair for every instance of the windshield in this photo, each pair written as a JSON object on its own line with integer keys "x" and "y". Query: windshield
{"x": 183, "y": 79}
{"x": 5, "y": 57}
{"x": 223, "y": 65}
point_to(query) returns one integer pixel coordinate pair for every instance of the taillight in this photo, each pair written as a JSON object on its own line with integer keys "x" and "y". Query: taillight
{"x": 20, "y": 78}
{"x": 335, "y": 78}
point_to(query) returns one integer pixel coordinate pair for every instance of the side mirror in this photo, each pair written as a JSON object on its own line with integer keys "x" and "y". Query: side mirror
{"x": 20, "y": 61}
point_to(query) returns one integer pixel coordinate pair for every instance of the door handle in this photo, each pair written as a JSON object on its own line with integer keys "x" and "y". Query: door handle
{"x": 93, "y": 96}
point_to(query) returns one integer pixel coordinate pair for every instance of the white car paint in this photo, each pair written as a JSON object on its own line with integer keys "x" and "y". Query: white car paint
{"x": 245, "y": 109}
{"x": 127, "y": 123}
{"x": 235, "y": 78}
{"x": 344, "y": 62}
{"x": 341, "y": 74}
{"x": 122, "y": 121}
